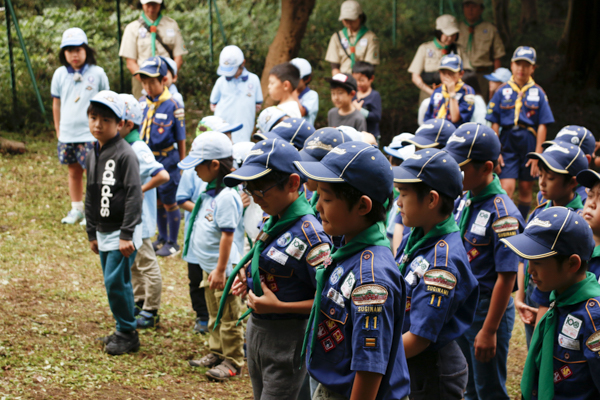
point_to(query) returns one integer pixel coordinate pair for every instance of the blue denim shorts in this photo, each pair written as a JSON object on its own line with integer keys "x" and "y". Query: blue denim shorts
{"x": 71, "y": 153}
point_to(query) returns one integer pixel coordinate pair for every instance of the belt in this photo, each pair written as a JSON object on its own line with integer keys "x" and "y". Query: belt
{"x": 164, "y": 152}
{"x": 522, "y": 126}
{"x": 484, "y": 69}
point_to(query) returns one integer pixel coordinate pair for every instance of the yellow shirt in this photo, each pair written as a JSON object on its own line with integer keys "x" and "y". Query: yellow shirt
{"x": 428, "y": 58}
{"x": 136, "y": 42}
{"x": 367, "y": 49}
{"x": 487, "y": 44}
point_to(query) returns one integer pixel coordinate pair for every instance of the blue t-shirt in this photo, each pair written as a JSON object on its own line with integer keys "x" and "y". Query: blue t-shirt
{"x": 310, "y": 101}
{"x": 466, "y": 103}
{"x": 236, "y": 100}
{"x": 109, "y": 241}
{"x": 75, "y": 99}
{"x": 360, "y": 325}
{"x": 190, "y": 187}
{"x": 491, "y": 220}
{"x": 371, "y": 109}
{"x": 441, "y": 291}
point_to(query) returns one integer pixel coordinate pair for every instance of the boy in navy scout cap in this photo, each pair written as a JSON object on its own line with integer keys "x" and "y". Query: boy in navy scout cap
{"x": 560, "y": 164}
{"x": 279, "y": 272}
{"x": 433, "y": 133}
{"x": 441, "y": 290}
{"x": 453, "y": 100}
{"x": 484, "y": 215}
{"x": 563, "y": 361}
{"x": 520, "y": 108}
{"x": 591, "y": 213}
{"x": 355, "y": 327}
{"x": 163, "y": 127}
{"x": 292, "y": 130}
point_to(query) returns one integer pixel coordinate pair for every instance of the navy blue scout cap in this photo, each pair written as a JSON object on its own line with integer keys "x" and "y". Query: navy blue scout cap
{"x": 473, "y": 141}
{"x": 322, "y": 142}
{"x": 432, "y": 133}
{"x": 577, "y": 135}
{"x": 562, "y": 158}
{"x": 359, "y": 164}
{"x": 588, "y": 178}
{"x": 153, "y": 67}
{"x": 451, "y": 62}
{"x": 525, "y": 53}
{"x": 292, "y": 130}
{"x": 435, "y": 168}
{"x": 554, "y": 231}
{"x": 265, "y": 156}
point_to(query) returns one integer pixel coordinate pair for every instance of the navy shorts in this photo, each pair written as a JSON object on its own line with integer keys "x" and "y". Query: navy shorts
{"x": 167, "y": 192}
{"x": 71, "y": 153}
{"x": 516, "y": 143}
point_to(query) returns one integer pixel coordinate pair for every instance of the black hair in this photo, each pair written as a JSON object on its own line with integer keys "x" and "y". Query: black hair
{"x": 307, "y": 79}
{"x": 352, "y": 196}
{"x": 136, "y": 126}
{"x": 561, "y": 259}
{"x": 162, "y": 6}
{"x": 225, "y": 167}
{"x": 90, "y": 55}
{"x": 470, "y": 78}
{"x": 452, "y": 48}
{"x": 365, "y": 68}
{"x": 396, "y": 162}
{"x": 171, "y": 70}
{"x": 478, "y": 164}
{"x": 334, "y": 84}
{"x": 447, "y": 202}
{"x": 275, "y": 177}
{"x": 566, "y": 178}
{"x": 287, "y": 72}
{"x": 103, "y": 111}
{"x": 363, "y": 19}
{"x": 158, "y": 78}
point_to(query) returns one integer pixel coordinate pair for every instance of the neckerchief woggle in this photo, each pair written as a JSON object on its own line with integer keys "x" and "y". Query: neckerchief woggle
{"x": 352, "y": 46}
{"x": 153, "y": 28}
{"x": 440, "y": 46}
{"x": 540, "y": 359}
{"x": 520, "y": 93}
{"x": 443, "y": 111}
{"x": 271, "y": 229}
{"x": 195, "y": 210}
{"x": 375, "y": 235}
{"x": 152, "y": 106}
{"x": 417, "y": 239}
{"x": 472, "y": 31}
{"x": 491, "y": 190}
{"x": 133, "y": 136}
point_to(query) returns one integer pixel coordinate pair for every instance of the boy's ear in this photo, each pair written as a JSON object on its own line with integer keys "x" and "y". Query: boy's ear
{"x": 433, "y": 198}
{"x": 287, "y": 86}
{"x": 164, "y": 80}
{"x": 589, "y": 158}
{"x": 294, "y": 183}
{"x": 365, "y": 205}
{"x": 488, "y": 167}
{"x": 371, "y": 79}
{"x": 352, "y": 93}
{"x": 574, "y": 264}
{"x": 215, "y": 164}
{"x": 460, "y": 74}
{"x": 121, "y": 124}
{"x": 572, "y": 183}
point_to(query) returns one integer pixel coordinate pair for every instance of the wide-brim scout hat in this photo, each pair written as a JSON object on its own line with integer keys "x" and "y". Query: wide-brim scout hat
{"x": 524, "y": 53}
{"x": 499, "y": 75}
{"x": 577, "y": 135}
{"x": 473, "y": 141}
{"x": 451, "y": 62}
{"x": 562, "y": 158}
{"x": 73, "y": 37}
{"x": 434, "y": 132}
{"x": 230, "y": 59}
{"x": 268, "y": 118}
{"x": 214, "y": 123}
{"x": 133, "y": 110}
{"x": 398, "y": 149}
{"x": 265, "y": 156}
{"x": 345, "y": 81}
{"x": 554, "y": 231}
{"x": 358, "y": 164}
{"x": 350, "y": 10}
{"x": 322, "y": 142}
{"x": 292, "y": 130}
{"x": 447, "y": 24}
{"x": 153, "y": 67}
{"x": 435, "y": 168}
{"x": 112, "y": 100}
{"x": 208, "y": 146}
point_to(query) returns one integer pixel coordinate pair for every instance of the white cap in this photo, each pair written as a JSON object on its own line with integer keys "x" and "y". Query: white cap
{"x": 208, "y": 146}
{"x": 350, "y": 10}
{"x": 133, "y": 110}
{"x": 396, "y": 148}
{"x": 150, "y": 1}
{"x": 241, "y": 151}
{"x": 447, "y": 24}
{"x": 303, "y": 66}
{"x": 73, "y": 37}
{"x": 230, "y": 60}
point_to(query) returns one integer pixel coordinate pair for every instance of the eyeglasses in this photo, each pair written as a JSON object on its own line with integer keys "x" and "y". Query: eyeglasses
{"x": 261, "y": 193}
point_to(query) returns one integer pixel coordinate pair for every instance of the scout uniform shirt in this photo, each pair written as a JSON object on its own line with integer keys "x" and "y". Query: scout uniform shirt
{"x": 490, "y": 220}
{"x": 360, "y": 325}
{"x": 486, "y": 44}
{"x": 582, "y": 191}
{"x": 287, "y": 264}
{"x": 439, "y": 106}
{"x": 441, "y": 291}
{"x": 594, "y": 263}
{"x": 367, "y": 49}
{"x": 428, "y": 58}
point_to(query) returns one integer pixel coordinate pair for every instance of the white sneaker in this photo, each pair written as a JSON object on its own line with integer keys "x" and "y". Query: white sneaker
{"x": 72, "y": 217}
{"x": 83, "y": 223}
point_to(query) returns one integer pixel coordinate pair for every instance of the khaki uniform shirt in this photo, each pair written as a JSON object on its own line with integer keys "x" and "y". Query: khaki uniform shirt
{"x": 137, "y": 44}
{"x": 367, "y": 49}
{"x": 487, "y": 44}
{"x": 428, "y": 58}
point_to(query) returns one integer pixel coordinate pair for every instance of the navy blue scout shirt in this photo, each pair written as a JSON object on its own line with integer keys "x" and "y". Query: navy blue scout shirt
{"x": 372, "y": 103}
{"x": 360, "y": 325}
{"x": 466, "y": 100}
{"x": 168, "y": 124}
{"x": 490, "y": 220}
{"x": 594, "y": 263}
{"x": 577, "y": 352}
{"x": 441, "y": 291}
{"x": 582, "y": 191}
{"x": 287, "y": 264}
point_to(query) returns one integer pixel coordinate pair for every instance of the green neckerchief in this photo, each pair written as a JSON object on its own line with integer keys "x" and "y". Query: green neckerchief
{"x": 395, "y": 195}
{"x": 152, "y": 31}
{"x": 541, "y": 351}
{"x": 313, "y": 201}
{"x": 491, "y": 190}
{"x": 270, "y": 230}
{"x": 375, "y": 235}
{"x": 416, "y": 238}
{"x": 596, "y": 252}
{"x": 440, "y": 46}
{"x": 190, "y": 228}
{"x": 133, "y": 136}
{"x": 472, "y": 31}
{"x": 361, "y": 32}
{"x": 575, "y": 204}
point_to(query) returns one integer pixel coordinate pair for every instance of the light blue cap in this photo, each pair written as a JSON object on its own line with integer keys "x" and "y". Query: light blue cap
{"x": 133, "y": 110}
{"x": 230, "y": 60}
{"x": 499, "y": 75}
{"x": 73, "y": 37}
{"x": 208, "y": 146}
{"x": 269, "y": 117}
{"x": 172, "y": 64}
{"x": 398, "y": 149}
{"x": 112, "y": 100}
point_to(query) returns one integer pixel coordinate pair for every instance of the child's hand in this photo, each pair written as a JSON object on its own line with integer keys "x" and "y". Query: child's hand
{"x": 449, "y": 82}
{"x": 528, "y": 314}
{"x": 216, "y": 280}
{"x": 258, "y": 107}
{"x": 245, "y": 199}
{"x": 94, "y": 246}
{"x": 126, "y": 247}
{"x": 485, "y": 346}
{"x": 266, "y": 304}
{"x": 239, "y": 287}
{"x": 358, "y": 104}
{"x": 500, "y": 165}
{"x": 213, "y": 107}
{"x": 535, "y": 170}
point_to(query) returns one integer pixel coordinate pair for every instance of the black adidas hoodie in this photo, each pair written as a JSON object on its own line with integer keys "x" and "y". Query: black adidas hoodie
{"x": 113, "y": 199}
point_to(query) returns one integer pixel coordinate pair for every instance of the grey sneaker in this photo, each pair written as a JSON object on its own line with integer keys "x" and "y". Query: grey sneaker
{"x": 209, "y": 361}
{"x": 122, "y": 343}
{"x": 223, "y": 372}
{"x": 72, "y": 217}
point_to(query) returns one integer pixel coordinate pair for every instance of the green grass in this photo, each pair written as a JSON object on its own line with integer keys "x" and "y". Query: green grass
{"x": 53, "y": 305}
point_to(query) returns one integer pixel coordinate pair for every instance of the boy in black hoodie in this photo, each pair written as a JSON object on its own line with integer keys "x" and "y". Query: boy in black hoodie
{"x": 113, "y": 208}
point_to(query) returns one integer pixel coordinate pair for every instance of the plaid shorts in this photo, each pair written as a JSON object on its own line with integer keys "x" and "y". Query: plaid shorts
{"x": 71, "y": 153}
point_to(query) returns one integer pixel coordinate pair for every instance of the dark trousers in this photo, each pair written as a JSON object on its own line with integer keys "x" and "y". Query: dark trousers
{"x": 196, "y": 292}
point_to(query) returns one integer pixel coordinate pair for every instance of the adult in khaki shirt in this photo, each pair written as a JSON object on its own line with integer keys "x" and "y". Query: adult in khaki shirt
{"x": 427, "y": 60}
{"x": 354, "y": 40}
{"x": 136, "y": 45}
{"x": 481, "y": 41}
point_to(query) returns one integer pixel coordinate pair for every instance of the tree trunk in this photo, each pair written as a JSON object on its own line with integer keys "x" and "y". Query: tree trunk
{"x": 11, "y": 147}
{"x": 501, "y": 20}
{"x": 529, "y": 16}
{"x": 583, "y": 45}
{"x": 285, "y": 46}
{"x": 562, "y": 42}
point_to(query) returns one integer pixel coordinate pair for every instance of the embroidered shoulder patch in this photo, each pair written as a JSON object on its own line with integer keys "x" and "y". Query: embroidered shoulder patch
{"x": 440, "y": 278}
{"x": 593, "y": 342}
{"x": 318, "y": 254}
{"x": 284, "y": 239}
{"x": 369, "y": 295}
{"x": 296, "y": 249}
{"x": 506, "y": 226}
